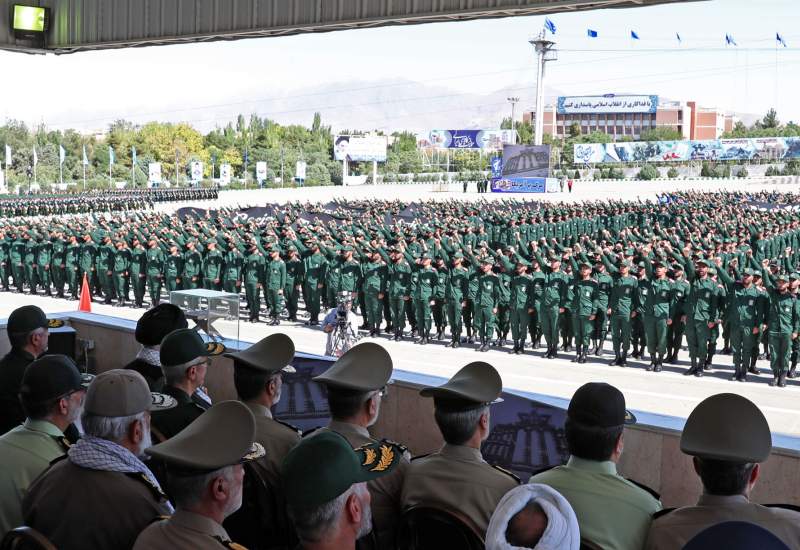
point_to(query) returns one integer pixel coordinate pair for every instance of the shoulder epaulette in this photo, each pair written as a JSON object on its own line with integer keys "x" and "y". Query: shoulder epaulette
{"x": 295, "y": 429}
{"x": 420, "y": 456}
{"x": 792, "y": 507}
{"x": 58, "y": 459}
{"x": 154, "y": 488}
{"x": 311, "y": 431}
{"x": 644, "y": 487}
{"x": 663, "y": 512}
{"x": 542, "y": 470}
{"x": 507, "y": 472}
{"x": 228, "y": 544}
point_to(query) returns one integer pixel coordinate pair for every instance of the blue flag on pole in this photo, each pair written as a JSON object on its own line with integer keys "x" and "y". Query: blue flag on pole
{"x": 780, "y": 39}
{"x": 62, "y": 154}
{"x": 550, "y": 26}
{"x": 729, "y": 41}
{"x": 678, "y": 36}
{"x": 634, "y": 35}
{"x": 110, "y": 155}
{"x": 591, "y": 33}
{"x": 133, "y": 155}
{"x": 85, "y": 158}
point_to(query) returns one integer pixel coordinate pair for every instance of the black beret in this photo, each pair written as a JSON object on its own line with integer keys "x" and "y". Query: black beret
{"x": 157, "y": 322}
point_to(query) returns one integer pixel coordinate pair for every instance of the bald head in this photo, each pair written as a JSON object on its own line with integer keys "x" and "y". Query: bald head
{"x": 527, "y": 526}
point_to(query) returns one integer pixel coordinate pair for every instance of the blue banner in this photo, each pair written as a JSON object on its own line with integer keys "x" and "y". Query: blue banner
{"x": 519, "y": 185}
{"x": 470, "y": 139}
{"x": 497, "y": 167}
{"x": 742, "y": 149}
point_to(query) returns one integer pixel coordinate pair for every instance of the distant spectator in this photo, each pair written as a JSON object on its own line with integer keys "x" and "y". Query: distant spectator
{"x": 102, "y": 495}
{"x": 184, "y": 358}
{"x": 152, "y": 327}
{"x": 52, "y": 395}
{"x": 326, "y": 490}
{"x": 206, "y": 481}
{"x": 612, "y": 512}
{"x": 28, "y": 333}
{"x": 533, "y": 516}
{"x": 728, "y": 437}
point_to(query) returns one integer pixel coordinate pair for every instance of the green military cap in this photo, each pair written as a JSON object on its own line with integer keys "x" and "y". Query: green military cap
{"x": 475, "y": 385}
{"x": 627, "y": 264}
{"x": 585, "y": 263}
{"x": 641, "y": 265}
{"x": 28, "y": 318}
{"x": 123, "y": 392}
{"x": 458, "y": 256}
{"x": 487, "y": 260}
{"x": 677, "y": 267}
{"x": 323, "y": 466}
{"x": 229, "y": 425}
{"x": 781, "y": 276}
{"x": 702, "y": 260}
{"x": 727, "y": 427}
{"x": 794, "y": 276}
{"x": 51, "y": 377}
{"x": 271, "y": 354}
{"x": 522, "y": 261}
{"x": 347, "y": 248}
{"x": 365, "y": 367}
{"x": 659, "y": 262}
{"x": 712, "y": 271}
{"x": 748, "y": 271}
{"x": 599, "y": 405}
{"x": 184, "y": 345}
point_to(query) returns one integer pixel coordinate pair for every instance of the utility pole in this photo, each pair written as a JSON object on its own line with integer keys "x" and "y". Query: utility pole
{"x": 513, "y": 101}
{"x": 545, "y": 53}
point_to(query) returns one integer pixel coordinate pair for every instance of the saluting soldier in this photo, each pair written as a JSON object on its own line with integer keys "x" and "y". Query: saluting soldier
{"x": 657, "y": 294}
{"x": 16, "y": 256}
{"x": 422, "y": 295}
{"x": 44, "y": 255}
{"x": 57, "y": 263}
{"x": 137, "y": 274}
{"x": 675, "y": 330}
{"x": 192, "y": 263}
{"x": 373, "y": 277}
{"x": 486, "y": 300}
{"x": 620, "y": 308}
{"x": 584, "y": 308}
{"x": 783, "y": 322}
{"x": 702, "y": 314}
{"x": 456, "y": 291}
{"x": 232, "y": 271}
{"x": 520, "y": 304}
{"x": 173, "y": 269}
{"x": 747, "y": 314}
{"x": 212, "y": 266}
{"x": 156, "y": 270}
{"x": 121, "y": 266}
{"x": 72, "y": 258}
{"x": 456, "y": 477}
{"x": 399, "y": 291}
{"x": 274, "y": 282}
{"x": 294, "y": 281}
{"x": 252, "y": 275}
{"x": 314, "y": 268}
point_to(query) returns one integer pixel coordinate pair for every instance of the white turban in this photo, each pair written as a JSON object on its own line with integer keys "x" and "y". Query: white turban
{"x": 562, "y": 532}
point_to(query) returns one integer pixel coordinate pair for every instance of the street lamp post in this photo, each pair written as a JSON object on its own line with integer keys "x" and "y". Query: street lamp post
{"x": 545, "y": 52}
{"x": 513, "y": 101}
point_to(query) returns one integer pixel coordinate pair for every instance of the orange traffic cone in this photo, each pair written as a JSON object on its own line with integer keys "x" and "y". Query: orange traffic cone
{"x": 86, "y": 296}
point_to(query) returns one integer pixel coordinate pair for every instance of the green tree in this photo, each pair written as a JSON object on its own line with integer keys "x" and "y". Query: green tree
{"x": 661, "y": 133}
{"x": 648, "y": 172}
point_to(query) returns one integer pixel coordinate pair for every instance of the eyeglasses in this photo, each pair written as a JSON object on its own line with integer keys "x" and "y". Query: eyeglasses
{"x": 383, "y": 392}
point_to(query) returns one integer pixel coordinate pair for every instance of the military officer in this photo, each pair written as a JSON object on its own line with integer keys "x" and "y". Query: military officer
{"x": 357, "y": 384}
{"x": 105, "y": 269}
{"x": 657, "y": 294}
{"x": 783, "y": 321}
{"x": 701, "y": 314}
{"x": 373, "y": 277}
{"x": 192, "y": 264}
{"x": 121, "y": 263}
{"x": 137, "y": 274}
{"x": 212, "y": 266}
{"x": 314, "y": 268}
{"x": 57, "y": 263}
{"x": 520, "y": 304}
{"x": 456, "y": 290}
{"x": 456, "y": 477}
{"x": 72, "y": 258}
{"x": 422, "y": 296}
{"x": 218, "y": 468}
{"x": 156, "y": 263}
{"x": 173, "y": 269}
{"x": 274, "y": 283}
{"x": 252, "y": 277}
{"x": 585, "y": 303}
{"x": 620, "y": 308}
{"x": 486, "y": 301}
{"x": 232, "y": 272}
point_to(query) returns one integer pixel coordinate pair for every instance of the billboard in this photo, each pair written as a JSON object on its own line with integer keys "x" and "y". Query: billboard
{"x": 225, "y": 174}
{"x": 154, "y": 172}
{"x": 740, "y": 149}
{"x": 300, "y": 170}
{"x": 261, "y": 171}
{"x": 360, "y": 148}
{"x": 519, "y": 185}
{"x": 196, "y": 168}
{"x": 526, "y": 161}
{"x": 609, "y": 103}
{"x": 469, "y": 139}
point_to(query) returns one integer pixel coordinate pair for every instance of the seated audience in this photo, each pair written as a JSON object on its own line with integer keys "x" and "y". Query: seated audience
{"x": 151, "y": 329}
{"x": 101, "y": 495}
{"x": 727, "y": 437}
{"x": 52, "y": 395}
{"x": 27, "y": 330}
{"x": 326, "y": 488}
{"x": 456, "y": 477}
{"x": 612, "y": 512}
{"x": 184, "y": 358}
{"x": 533, "y": 516}
{"x": 205, "y": 480}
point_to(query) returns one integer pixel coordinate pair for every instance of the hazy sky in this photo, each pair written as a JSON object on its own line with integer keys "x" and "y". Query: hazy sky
{"x": 205, "y": 84}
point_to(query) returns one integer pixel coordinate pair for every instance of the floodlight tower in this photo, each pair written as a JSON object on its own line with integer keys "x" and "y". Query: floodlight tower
{"x": 513, "y": 101}
{"x": 545, "y": 52}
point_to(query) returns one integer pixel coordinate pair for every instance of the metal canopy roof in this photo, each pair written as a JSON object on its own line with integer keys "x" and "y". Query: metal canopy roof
{"x": 78, "y": 25}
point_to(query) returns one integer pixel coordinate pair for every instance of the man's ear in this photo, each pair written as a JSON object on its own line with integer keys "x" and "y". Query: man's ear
{"x": 354, "y": 509}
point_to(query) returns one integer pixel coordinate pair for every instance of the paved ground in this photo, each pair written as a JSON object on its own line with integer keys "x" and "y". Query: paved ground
{"x": 665, "y": 393}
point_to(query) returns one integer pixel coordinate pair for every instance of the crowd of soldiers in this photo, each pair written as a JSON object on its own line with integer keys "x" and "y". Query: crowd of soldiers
{"x": 99, "y": 201}
{"x": 703, "y": 265}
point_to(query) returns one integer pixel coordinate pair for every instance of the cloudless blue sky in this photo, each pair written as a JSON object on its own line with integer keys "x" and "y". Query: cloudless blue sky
{"x": 187, "y": 82}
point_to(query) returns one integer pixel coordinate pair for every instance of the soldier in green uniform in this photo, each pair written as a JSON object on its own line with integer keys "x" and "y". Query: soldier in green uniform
{"x": 657, "y": 294}
{"x": 584, "y": 309}
{"x": 252, "y": 277}
{"x": 57, "y": 263}
{"x": 16, "y": 256}
{"x": 86, "y": 264}
{"x": 638, "y": 332}
{"x": 30, "y": 263}
{"x": 520, "y": 304}
{"x": 701, "y": 314}
{"x": 783, "y": 321}
{"x": 138, "y": 272}
{"x": 314, "y": 267}
{"x": 486, "y": 300}
{"x": 212, "y": 266}
{"x": 156, "y": 264}
{"x": 422, "y": 297}
{"x": 274, "y": 282}
{"x": 373, "y": 276}
{"x": 620, "y": 308}
{"x": 746, "y": 315}
{"x": 232, "y": 272}
{"x": 675, "y": 330}
{"x": 5, "y": 266}
{"x": 349, "y": 273}
{"x": 72, "y": 259}
{"x": 173, "y": 269}
{"x": 399, "y": 291}
{"x": 535, "y": 323}
{"x": 294, "y": 281}
{"x": 601, "y": 320}
{"x": 44, "y": 255}
{"x": 455, "y": 293}
{"x": 121, "y": 267}
{"x": 438, "y": 308}
{"x": 192, "y": 263}
{"x": 104, "y": 265}
{"x": 552, "y": 303}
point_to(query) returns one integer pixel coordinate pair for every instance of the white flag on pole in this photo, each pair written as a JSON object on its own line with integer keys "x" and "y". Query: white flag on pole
{"x": 85, "y": 158}
{"x": 62, "y": 154}
{"x": 35, "y": 158}
{"x": 8, "y": 156}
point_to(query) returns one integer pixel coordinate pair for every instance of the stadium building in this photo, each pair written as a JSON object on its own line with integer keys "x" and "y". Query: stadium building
{"x": 631, "y": 115}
